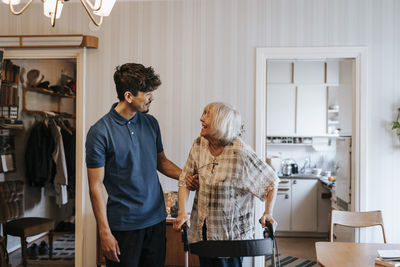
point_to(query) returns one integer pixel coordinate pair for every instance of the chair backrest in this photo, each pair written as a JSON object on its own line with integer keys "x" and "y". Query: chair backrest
{"x": 11, "y": 200}
{"x": 356, "y": 220}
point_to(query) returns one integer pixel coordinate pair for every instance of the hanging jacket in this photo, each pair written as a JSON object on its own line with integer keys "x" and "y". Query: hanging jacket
{"x": 38, "y": 155}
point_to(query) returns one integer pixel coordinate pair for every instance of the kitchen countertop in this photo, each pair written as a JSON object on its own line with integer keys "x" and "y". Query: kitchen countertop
{"x": 323, "y": 179}
{"x": 301, "y": 176}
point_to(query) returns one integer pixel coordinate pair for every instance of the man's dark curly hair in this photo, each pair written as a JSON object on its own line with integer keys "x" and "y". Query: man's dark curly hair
{"x": 135, "y": 77}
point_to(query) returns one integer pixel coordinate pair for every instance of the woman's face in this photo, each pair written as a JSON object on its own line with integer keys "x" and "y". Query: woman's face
{"x": 206, "y": 123}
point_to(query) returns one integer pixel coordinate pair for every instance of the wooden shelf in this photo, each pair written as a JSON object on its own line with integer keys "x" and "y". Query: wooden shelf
{"x": 48, "y": 92}
{"x": 45, "y": 92}
{"x": 60, "y": 40}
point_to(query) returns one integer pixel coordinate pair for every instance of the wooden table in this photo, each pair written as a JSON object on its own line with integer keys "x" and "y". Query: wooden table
{"x": 334, "y": 254}
{"x": 175, "y": 256}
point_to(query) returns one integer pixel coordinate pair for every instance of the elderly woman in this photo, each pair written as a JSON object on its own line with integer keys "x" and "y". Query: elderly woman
{"x": 230, "y": 176}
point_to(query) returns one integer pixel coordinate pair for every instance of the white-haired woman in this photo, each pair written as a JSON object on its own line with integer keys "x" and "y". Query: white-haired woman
{"x": 230, "y": 176}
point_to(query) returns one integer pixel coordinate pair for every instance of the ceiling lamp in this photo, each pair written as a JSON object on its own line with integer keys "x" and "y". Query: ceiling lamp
{"x": 53, "y": 8}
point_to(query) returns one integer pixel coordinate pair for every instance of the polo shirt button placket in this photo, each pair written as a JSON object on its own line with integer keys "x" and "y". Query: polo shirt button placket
{"x": 131, "y": 131}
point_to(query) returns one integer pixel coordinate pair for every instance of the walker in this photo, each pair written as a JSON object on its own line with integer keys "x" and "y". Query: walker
{"x": 233, "y": 248}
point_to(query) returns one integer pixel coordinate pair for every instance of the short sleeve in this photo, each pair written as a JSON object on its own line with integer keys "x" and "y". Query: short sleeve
{"x": 258, "y": 177}
{"x": 191, "y": 164}
{"x": 159, "y": 144}
{"x": 95, "y": 149}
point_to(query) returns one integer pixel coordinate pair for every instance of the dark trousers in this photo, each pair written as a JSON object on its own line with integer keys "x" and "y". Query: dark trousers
{"x": 218, "y": 262}
{"x": 141, "y": 248}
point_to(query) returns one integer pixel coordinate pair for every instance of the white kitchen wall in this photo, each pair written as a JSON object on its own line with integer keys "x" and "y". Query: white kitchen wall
{"x": 325, "y": 159}
{"x": 204, "y": 51}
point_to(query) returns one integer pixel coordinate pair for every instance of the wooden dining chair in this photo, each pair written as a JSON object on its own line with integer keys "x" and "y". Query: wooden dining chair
{"x": 356, "y": 220}
{"x": 11, "y": 213}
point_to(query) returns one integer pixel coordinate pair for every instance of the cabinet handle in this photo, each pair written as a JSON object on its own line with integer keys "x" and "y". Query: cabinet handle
{"x": 294, "y": 181}
{"x": 283, "y": 189}
{"x": 283, "y": 182}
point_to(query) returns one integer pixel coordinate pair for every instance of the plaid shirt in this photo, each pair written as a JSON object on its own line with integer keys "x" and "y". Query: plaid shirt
{"x": 228, "y": 184}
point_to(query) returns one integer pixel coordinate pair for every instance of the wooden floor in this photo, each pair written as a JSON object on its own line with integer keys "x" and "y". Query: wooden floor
{"x": 291, "y": 246}
{"x": 298, "y": 247}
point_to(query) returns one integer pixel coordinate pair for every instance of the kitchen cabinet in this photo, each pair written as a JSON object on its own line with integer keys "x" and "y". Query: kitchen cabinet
{"x": 297, "y": 97}
{"x": 309, "y": 72}
{"x": 345, "y": 97}
{"x": 311, "y": 110}
{"x": 304, "y": 205}
{"x": 281, "y": 109}
{"x": 296, "y": 206}
{"x": 282, "y": 209}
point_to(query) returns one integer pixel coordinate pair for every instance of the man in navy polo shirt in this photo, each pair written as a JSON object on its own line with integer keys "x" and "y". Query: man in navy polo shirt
{"x": 124, "y": 151}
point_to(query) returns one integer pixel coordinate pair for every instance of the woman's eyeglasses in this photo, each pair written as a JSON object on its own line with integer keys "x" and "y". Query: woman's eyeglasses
{"x": 196, "y": 171}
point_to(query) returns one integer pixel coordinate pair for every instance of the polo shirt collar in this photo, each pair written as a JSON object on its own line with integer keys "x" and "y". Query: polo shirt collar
{"x": 120, "y": 119}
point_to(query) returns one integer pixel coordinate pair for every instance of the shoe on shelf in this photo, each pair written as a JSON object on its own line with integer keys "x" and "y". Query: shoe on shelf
{"x": 33, "y": 250}
{"x": 43, "y": 248}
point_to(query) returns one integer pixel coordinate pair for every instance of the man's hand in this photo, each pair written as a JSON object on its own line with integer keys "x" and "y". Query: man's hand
{"x": 192, "y": 182}
{"x": 109, "y": 246}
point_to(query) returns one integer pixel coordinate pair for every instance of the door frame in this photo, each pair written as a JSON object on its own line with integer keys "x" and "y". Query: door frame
{"x": 360, "y": 112}
{"x": 79, "y": 54}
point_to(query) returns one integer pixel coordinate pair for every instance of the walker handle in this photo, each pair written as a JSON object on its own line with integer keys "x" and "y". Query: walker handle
{"x": 185, "y": 237}
{"x": 268, "y": 229}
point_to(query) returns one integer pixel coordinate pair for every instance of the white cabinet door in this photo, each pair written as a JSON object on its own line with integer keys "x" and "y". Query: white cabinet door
{"x": 309, "y": 72}
{"x": 304, "y": 205}
{"x": 311, "y": 110}
{"x": 279, "y": 71}
{"x": 282, "y": 210}
{"x": 281, "y": 109}
{"x": 345, "y": 101}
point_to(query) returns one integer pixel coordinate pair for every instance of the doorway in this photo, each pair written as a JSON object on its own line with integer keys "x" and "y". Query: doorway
{"x": 359, "y": 124}
{"x": 78, "y": 58}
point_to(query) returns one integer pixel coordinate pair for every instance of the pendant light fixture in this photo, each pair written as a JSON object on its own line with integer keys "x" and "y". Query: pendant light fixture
{"x": 53, "y": 8}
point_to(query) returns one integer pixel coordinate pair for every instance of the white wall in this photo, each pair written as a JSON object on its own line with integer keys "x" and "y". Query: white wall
{"x": 204, "y": 51}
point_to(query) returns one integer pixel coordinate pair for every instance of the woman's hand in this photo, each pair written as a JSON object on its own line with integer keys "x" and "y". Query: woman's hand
{"x": 267, "y": 217}
{"x": 180, "y": 220}
{"x": 192, "y": 182}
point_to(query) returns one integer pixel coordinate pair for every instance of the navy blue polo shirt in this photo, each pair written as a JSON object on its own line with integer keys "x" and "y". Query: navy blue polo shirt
{"x": 127, "y": 149}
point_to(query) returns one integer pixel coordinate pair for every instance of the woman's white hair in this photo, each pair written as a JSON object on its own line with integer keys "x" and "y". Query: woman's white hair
{"x": 226, "y": 122}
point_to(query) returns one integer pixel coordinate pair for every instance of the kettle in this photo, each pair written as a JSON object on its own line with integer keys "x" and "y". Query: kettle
{"x": 287, "y": 167}
{"x": 295, "y": 168}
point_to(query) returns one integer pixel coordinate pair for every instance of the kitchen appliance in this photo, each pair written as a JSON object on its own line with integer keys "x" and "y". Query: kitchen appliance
{"x": 295, "y": 168}
{"x": 287, "y": 167}
{"x": 343, "y": 172}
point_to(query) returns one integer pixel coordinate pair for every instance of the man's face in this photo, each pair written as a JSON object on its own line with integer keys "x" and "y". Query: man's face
{"x": 142, "y": 101}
